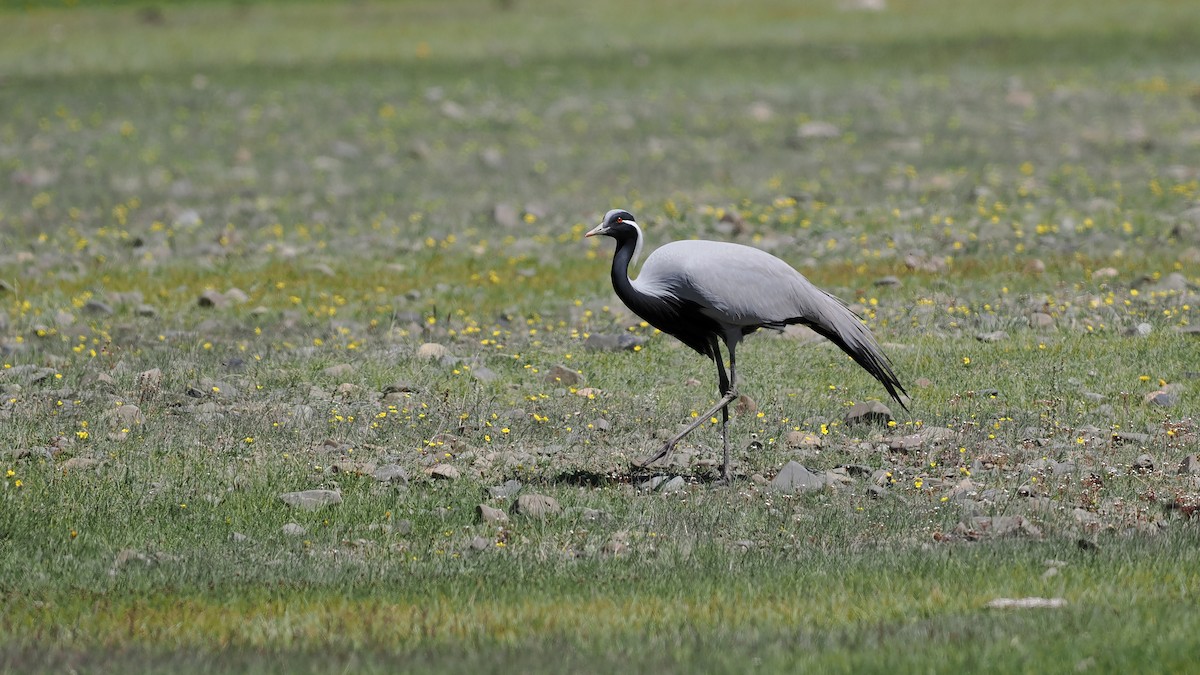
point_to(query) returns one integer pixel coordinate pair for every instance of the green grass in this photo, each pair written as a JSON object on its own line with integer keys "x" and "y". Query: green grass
{"x": 341, "y": 164}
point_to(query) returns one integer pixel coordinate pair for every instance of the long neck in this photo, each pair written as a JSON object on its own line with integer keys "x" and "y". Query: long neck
{"x": 626, "y": 248}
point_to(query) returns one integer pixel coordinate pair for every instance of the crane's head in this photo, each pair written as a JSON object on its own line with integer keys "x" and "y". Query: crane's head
{"x": 618, "y": 224}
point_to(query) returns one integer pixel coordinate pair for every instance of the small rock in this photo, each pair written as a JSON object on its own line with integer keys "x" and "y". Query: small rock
{"x": 536, "y": 506}
{"x": 1041, "y": 320}
{"x": 1143, "y": 463}
{"x": 1164, "y": 399}
{"x": 794, "y": 477}
{"x": 1190, "y": 465}
{"x": 562, "y": 375}
{"x": 391, "y": 473}
{"x": 212, "y": 298}
{"x": 239, "y": 538}
{"x": 127, "y": 415}
{"x": 150, "y": 381}
{"x": 994, "y": 336}
{"x": 311, "y": 500}
{"x": 1035, "y": 266}
{"x": 802, "y": 439}
{"x": 443, "y": 472}
{"x": 890, "y": 280}
{"x": 432, "y": 351}
{"x": 676, "y": 484}
{"x": 1105, "y": 273}
{"x": 506, "y": 215}
{"x": 871, "y": 412}
{"x": 484, "y": 374}
{"x": 490, "y": 515}
{"x": 294, "y": 530}
{"x": 338, "y": 370}
{"x": 613, "y": 343}
{"x": 818, "y": 129}
{"x": 509, "y": 489}
{"x": 480, "y": 544}
{"x": 80, "y": 464}
{"x": 96, "y": 307}
{"x": 1123, "y": 437}
{"x": 1027, "y": 603}
{"x": 236, "y": 296}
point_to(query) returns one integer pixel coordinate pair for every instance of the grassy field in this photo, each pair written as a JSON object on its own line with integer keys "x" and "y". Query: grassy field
{"x": 254, "y": 249}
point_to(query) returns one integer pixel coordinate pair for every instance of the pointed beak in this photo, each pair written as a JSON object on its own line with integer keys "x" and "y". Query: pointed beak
{"x": 599, "y": 229}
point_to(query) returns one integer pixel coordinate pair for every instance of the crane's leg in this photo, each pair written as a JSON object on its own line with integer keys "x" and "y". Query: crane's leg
{"x": 728, "y": 395}
{"x": 730, "y": 392}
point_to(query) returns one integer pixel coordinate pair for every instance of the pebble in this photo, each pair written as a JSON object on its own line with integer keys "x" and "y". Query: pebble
{"x": 563, "y": 375}
{"x": 994, "y": 336}
{"x": 870, "y": 412}
{"x": 508, "y": 489}
{"x": 613, "y": 343}
{"x": 484, "y": 374}
{"x": 536, "y": 506}
{"x": 794, "y": 477}
{"x": 1190, "y": 465}
{"x": 802, "y": 439}
{"x": 212, "y": 298}
{"x": 1160, "y": 398}
{"x": 1041, "y": 320}
{"x": 127, "y": 415}
{"x": 80, "y": 464}
{"x": 490, "y": 515}
{"x": 294, "y": 530}
{"x": 432, "y": 351}
{"x": 443, "y": 472}
{"x": 338, "y": 370}
{"x": 391, "y": 473}
{"x": 676, "y": 484}
{"x": 1143, "y": 463}
{"x": 311, "y": 500}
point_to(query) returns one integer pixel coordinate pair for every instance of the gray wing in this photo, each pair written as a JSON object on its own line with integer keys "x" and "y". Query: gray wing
{"x": 745, "y": 287}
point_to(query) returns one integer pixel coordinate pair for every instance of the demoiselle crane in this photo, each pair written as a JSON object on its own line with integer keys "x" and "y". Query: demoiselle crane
{"x": 706, "y": 292}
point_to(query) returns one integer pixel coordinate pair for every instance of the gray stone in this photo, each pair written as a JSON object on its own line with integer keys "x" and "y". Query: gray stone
{"x": 127, "y": 415}
{"x": 338, "y": 370}
{"x": 1143, "y": 463}
{"x": 1190, "y": 466}
{"x": 562, "y": 375}
{"x": 794, "y": 477}
{"x": 1163, "y": 399}
{"x": 994, "y": 336}
{"x": 506, "y": 215}
{"x": 294, "y": 530}
{"x": 391, "y": 473}
{"x": 432, "y": 351}
{"x": 212, "y": 298}
{"x": 311, "y": 500}
{"x": 509, "y": 489}
{"x": 443, "y": 472}
{"x": 79, "y": 464}
{"x": 870, "y": 412}
{"x": 536, "y": 506}
{"x": 1130, "y": 437}
{"x": 1041, "y": 320}
{"x": 94, "y": 306}
{"x": 676, "y": 484}
{"x": 490, "y": 515}
{"x": 613, "y": 343}
{"x": 484, "y": 374}
{"x": 239, "y": 538}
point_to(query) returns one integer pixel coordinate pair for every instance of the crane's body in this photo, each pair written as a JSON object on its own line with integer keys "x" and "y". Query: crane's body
{"x": 706, "y": 292}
